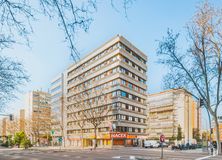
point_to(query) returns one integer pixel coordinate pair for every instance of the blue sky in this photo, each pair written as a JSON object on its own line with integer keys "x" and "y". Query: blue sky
{"x": 148, "y": 21}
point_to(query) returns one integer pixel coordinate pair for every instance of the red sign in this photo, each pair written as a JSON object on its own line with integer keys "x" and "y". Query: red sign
{"x": 162, "y": 138}
{"x": 118, "y": 135}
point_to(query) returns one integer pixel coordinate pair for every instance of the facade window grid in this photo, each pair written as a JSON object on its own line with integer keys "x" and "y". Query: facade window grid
{"x": 56, "y": 89}
{"x": 132, "y": 53}
{"x": 95, "y": 58}
{"x": 115, "y": 82}
{"x": 79, "y": 77}
{"x": 132, "y": 75}
{"x": 56, "y": 81}
{"x": 132, "y": 108}
{"x": 113, "y": 59}
{"x": 126, "y": 60}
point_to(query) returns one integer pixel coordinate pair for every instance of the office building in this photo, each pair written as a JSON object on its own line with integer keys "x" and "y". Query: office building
{"x": 57, "y": 101}
{"x": 114, "y": 73}
{"x": 169, "y": 110}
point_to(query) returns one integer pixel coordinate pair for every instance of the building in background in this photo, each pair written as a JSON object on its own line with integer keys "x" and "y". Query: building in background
{"x": 171, "y": 109}
{"x": 57, "y": 99}
{"x": 4, "y": 128}
{"x": 214, "y": 128}
{"x": 38, "y": 116}
{"x": 10, "y": 127}
{"x": 17, "y": 124}
{"x": 22, "y": 120}
{"x": 119, "y": 69}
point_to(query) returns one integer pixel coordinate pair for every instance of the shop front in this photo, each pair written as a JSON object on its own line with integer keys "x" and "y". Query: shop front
{"x": 124, "y": 139}
{"x": 103, "y": 140}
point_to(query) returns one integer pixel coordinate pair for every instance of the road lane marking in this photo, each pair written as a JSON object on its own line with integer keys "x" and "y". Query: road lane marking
{"x": 201, "y": 158}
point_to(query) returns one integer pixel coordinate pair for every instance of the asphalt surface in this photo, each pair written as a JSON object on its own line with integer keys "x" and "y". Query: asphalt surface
{"x": 101, "y": 154}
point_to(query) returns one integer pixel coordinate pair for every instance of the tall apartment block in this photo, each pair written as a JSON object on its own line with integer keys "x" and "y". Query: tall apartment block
{"x": 57, "y": 98}
{"x": 22, "y": 121}
{"x": 170, "y": 109}
{"x": 119, "y": 69}
{"x": 38, "y": 115}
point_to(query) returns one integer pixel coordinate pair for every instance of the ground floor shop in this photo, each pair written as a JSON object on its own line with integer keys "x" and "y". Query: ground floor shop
{"x": 104, "y": 140}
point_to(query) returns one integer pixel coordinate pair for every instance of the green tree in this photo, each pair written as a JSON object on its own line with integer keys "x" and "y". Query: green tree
{"x": 179, "y": 133}
{"x": 25, "y": 143}
{"x": 173, "y": 138}
{"x": 196, "y": 135}
{"x": 19, "y": 137}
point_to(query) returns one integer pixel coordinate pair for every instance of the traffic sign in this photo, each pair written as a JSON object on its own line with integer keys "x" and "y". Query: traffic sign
{"x": 162, "y": 138}
{"x": 52, "y": 132}
{"x": 60, "y": 139}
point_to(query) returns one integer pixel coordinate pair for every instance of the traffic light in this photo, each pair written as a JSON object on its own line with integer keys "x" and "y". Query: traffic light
{"x": 201, "y": 102}
{"x": 11, "y": 117}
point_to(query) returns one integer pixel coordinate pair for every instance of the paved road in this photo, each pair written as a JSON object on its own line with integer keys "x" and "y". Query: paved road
{"x": 99, "y": 154}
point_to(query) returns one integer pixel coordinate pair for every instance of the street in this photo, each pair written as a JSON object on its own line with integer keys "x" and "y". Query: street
{"x": 101, "y": 154}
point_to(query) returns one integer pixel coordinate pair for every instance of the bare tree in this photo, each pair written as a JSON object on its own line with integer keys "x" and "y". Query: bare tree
{"x": 12, "y": 75}
{"x": 199, "y": 68}
{"x": 89, "y": 109}
{"x": 16, "y": 17}
{"x": 78, "y": 116}
{"x": 13, "y": 126}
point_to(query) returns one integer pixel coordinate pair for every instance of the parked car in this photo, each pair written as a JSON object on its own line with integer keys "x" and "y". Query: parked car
{"x": 164, "y": 144}
{"x": 147, "y": 144}
{"x": 156, "y": 145}
{"x": 151, "y": 144}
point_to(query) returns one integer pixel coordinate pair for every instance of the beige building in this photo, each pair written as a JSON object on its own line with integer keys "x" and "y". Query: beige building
{"x": 117, "y": 70}
{"x": 10, "y": 127}
{"x": 22, "y": 121}
{"x": 4, "y": 127}
{"x": 170, "y": 109}
{"x": 38, "y": 115}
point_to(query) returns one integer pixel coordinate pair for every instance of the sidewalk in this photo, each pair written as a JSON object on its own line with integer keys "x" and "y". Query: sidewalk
{"x": 215, "y": 157}
{"x": 59, "y": 148}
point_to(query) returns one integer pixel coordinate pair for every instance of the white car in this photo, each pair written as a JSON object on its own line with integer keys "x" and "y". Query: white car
{"x": 156, "y": 145}
{"x": 147, "y": 144}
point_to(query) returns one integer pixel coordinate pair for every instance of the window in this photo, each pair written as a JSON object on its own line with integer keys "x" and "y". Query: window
{"x": 114, "y": 105}
{"x": 123, "y": 117}
{"x": 123, "y": 82}
{"x": 136, "y": 119}
{"x": 130, "y": 74}
{"x": 130, "y": 85}
{"x": 122, "y": 70}
{"x": 130, "y": 107}
{"x": 136, "y": 88}
{"x": 130, "y": 129}
{"x": 130, "y": 118}
{"x": 114, "y": 94}
{"x": 130, "y": 96}
{"x": 126, "y": 60}
{"x": 114, "y": 70}
{"x": 115, "y": 82}
{"x": 136, "y": 109}
{"x": 123, "y": 94}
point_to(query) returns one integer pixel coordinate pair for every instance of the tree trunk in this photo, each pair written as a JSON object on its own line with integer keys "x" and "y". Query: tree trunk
{"x": 95, "y": 138}
{"x": 217, "y": 134}
{"x": 82, "y": 142}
